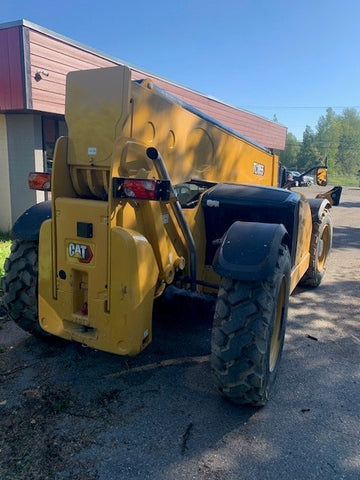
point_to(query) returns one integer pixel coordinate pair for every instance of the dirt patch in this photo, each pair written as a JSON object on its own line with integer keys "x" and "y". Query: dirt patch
{"x": 57, "y": 398}
{"x": 44, "y": 422}
{"x": 45, "y": 426}
{"x": 36, "y": 442}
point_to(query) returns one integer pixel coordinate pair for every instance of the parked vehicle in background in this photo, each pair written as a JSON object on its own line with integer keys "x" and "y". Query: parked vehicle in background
{"x": 291, "y": 175}
{"x": 308, "y": 180}
{"x": 299, "y": 179}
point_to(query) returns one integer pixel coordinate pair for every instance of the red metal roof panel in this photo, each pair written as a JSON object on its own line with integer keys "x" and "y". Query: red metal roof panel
{"x": 11, "y": 73}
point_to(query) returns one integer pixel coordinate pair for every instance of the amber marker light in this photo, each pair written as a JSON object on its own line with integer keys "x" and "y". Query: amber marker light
{"x": 39, "y": 181}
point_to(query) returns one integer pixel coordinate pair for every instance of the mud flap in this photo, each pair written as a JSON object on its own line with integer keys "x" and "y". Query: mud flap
{"x": 249, "y": 250}
{"x": 27, "y": 226}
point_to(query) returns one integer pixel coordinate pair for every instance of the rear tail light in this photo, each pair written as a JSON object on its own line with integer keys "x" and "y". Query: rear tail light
{"x": 141, "y": 189}
{"x": 39, "y": 181}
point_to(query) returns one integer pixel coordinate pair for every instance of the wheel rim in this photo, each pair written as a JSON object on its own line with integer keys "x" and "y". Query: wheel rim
{"x": 323, "y": 247}
{"x": 275, "y": 344}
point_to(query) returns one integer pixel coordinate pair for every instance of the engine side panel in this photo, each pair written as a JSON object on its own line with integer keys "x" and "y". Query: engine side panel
{"x": 227, "y": 203}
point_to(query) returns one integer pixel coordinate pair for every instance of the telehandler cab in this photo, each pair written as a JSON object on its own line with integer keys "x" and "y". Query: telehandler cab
{"x": 148, "y": 194}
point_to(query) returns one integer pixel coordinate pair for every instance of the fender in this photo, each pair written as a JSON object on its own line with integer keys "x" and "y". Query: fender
{"x": 333, "y": 195}
{"x": 27, "y": 226}
{"x": 318, "y": 206}
{"x": 249, "y": 250}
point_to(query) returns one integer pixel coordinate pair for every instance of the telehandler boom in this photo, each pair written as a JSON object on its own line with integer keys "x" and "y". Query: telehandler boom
{"x": 149, "y": 194}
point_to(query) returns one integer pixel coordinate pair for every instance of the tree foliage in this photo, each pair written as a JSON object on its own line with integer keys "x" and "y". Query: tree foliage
{"x": 327, "y": 138}
{"x": 348, "y": 158}
{"x": 289, "y": 156}
{"x": 308, "y": 153}
{"x": 336, "y": 140}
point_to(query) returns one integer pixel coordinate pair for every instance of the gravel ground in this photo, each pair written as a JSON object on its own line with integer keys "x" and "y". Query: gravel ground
{"x": 69, "y": 412}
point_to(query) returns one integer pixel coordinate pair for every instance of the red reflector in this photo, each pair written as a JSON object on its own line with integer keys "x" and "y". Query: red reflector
{"x": 139, "y": 188}
{"x": 39, "y": 181}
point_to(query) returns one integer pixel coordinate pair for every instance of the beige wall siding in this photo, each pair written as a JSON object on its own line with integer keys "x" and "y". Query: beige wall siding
{"x": 5, "y": 204}
{"x": 24, "y": 147}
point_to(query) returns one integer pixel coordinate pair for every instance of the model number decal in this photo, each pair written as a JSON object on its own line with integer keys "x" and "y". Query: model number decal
{"x": 259, "y": 169}
{"x": 82, "y": 252}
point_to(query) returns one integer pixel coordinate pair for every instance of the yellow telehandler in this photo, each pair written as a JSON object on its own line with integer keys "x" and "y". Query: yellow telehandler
{"x": 149, "y": 194}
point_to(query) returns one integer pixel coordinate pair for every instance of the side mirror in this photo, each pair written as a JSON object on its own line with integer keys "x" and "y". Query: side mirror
{"x": 321, "y": 176}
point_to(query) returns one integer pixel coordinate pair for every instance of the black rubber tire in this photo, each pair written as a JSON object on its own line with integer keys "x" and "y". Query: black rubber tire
{"x": 20, "y": 285}
{"x": 248, "y": 334}
{"x": 320, "y": 247}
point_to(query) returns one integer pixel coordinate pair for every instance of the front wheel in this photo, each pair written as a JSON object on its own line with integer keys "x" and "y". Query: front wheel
{"x": 248, "y": 334}
{"x": 320, "y": 246}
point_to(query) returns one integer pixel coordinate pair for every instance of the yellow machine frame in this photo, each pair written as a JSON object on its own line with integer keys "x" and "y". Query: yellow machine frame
{"x": 98, "y": 287}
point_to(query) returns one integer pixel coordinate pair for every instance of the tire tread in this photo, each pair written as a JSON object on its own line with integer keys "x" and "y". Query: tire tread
{"x": 20, "y": 286}
{"x": 240, "y": 336}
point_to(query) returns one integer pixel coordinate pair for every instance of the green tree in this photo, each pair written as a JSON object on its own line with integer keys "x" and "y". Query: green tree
{"x": 309, "y": 154}
{"x": 348, "y": 157}
{"x": 288, "y": 157}
{"x": 328, "y": 131}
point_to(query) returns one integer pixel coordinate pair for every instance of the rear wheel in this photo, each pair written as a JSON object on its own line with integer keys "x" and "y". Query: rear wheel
{"x": 320, "y": 246}
{"x": 20, "y": 286}
{"x": 248, "y": 334}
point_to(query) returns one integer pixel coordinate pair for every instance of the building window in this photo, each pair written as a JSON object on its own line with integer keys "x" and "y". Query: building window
{"x": 53, "y": 127}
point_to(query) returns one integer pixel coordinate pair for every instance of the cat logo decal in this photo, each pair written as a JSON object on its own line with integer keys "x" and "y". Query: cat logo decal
{"x": 82, "y": 252}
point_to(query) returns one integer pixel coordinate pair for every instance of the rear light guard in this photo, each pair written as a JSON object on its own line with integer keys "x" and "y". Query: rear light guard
{"x": 141, "y": 189}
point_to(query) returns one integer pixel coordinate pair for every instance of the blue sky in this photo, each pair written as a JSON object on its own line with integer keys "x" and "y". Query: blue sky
{"x": 292, "y": 59}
